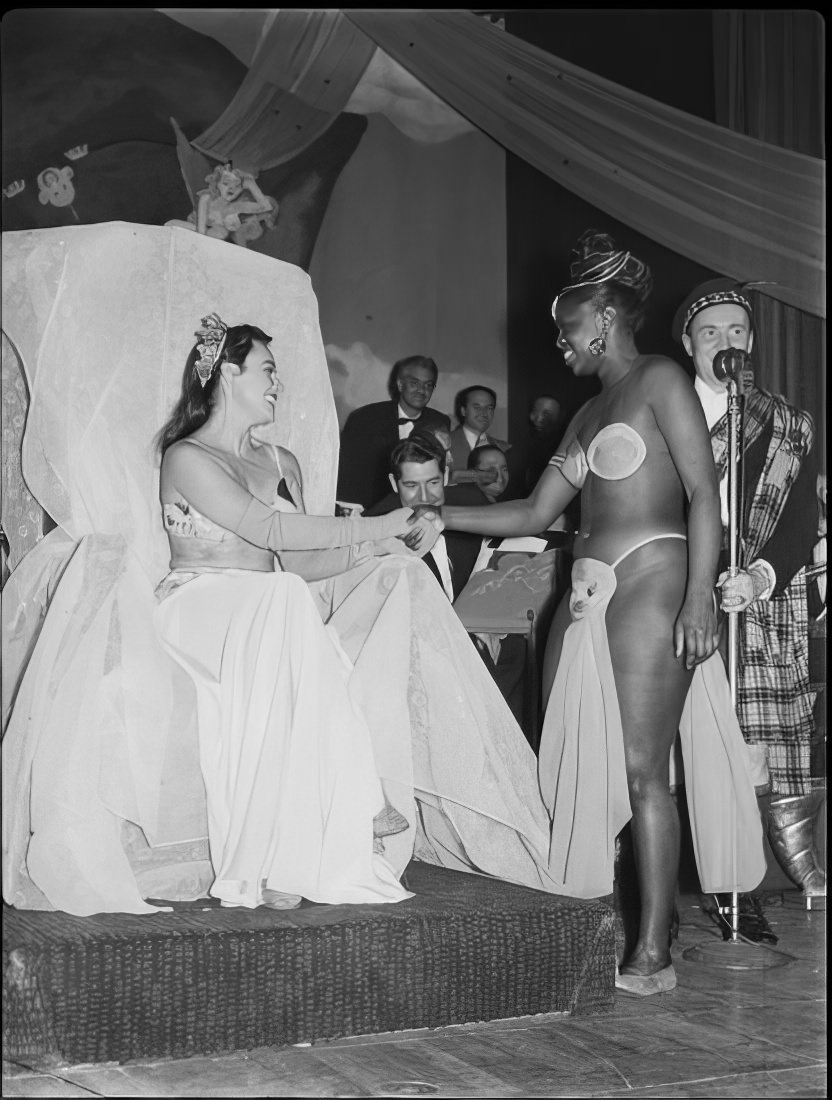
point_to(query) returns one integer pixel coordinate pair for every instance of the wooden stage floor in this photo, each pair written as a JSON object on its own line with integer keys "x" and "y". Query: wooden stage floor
{"x": 719, "y": 1034}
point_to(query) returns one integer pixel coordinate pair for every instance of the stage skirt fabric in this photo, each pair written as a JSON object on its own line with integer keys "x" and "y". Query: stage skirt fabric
{"x": 334, "y": 696}
{"x": 290, "y": 779}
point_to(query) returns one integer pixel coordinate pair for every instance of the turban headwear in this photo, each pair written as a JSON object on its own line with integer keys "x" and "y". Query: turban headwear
{"x": 597, "y": 260}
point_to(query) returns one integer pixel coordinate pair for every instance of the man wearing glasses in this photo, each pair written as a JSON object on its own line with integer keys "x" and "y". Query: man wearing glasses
{"x": 372, "y": 431}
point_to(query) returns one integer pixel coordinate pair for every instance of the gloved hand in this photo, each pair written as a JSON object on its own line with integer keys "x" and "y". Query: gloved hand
{"x": 740, "y": 591}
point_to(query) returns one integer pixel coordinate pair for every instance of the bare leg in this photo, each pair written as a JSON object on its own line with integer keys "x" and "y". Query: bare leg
{"x": 651, "y": 685}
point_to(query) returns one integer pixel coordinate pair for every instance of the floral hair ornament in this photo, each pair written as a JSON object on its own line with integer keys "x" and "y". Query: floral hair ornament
{"x": 210, "y": 342}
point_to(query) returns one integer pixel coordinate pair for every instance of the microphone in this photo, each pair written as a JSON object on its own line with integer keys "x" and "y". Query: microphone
{"x": 731, "y": 363}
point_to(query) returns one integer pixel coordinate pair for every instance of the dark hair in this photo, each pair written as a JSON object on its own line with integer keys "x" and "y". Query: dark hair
{"x": 195, "y": 400}
{"x": 544, "y": 397}
{"x": 418, "y": 447}
{"x": 474, "y": 456}
{"x": 461, "y": 399}
{"x": 409, "y": 361}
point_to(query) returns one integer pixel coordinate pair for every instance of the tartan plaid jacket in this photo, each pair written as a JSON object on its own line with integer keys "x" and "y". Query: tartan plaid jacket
{"x": 774, "y": 703}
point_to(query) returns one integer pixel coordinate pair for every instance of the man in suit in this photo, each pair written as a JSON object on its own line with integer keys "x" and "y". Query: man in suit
{"x": 774, "y": 698}
{"x": 474, "y": 408}
{"x": 372, "y": 431}
{"x": 418, "y": 476}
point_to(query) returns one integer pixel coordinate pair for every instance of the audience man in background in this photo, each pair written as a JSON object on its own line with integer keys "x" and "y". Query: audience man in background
{"x": 774, "y": 700}
{"x": 492, "y": 466}
{"x": 474, "y": 408}
{"x": 372, "y": 431}
{"x": 418, "y": 477}
{"x": 547, "y": 426}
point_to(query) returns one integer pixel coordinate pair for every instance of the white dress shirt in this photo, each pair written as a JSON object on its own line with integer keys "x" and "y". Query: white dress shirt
{"x": 440, "y": 555}
{"x": 475, "y": 439}
{"x": 406, "y": 429}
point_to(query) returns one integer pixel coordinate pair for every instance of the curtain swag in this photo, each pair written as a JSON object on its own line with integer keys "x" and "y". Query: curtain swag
{"x": 732, "y": 203}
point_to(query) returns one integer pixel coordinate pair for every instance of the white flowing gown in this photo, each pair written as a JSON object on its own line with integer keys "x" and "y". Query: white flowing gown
{"x": 103, "y": 798}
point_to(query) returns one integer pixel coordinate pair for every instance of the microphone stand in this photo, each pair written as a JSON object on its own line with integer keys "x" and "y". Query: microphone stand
{"x": 734, "y": 953}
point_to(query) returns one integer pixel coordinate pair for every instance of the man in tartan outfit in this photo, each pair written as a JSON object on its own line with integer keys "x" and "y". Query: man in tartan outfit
{"x": 779, "y": 474}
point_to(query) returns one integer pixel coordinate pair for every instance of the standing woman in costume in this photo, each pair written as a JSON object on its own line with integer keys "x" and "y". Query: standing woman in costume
{"x": 623, "y": 647}
{"x": 295, "y": 807}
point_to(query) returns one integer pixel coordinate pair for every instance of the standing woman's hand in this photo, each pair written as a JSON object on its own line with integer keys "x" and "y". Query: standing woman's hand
{"x": 695, "y": 633}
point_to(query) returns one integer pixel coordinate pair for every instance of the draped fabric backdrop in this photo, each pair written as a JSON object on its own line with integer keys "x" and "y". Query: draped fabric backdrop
{"x": 769, "y": 84}
{"x": 735, "y": 204}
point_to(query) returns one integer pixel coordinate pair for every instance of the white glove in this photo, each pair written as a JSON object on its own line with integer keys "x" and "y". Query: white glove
{"x": 740, "y": 591}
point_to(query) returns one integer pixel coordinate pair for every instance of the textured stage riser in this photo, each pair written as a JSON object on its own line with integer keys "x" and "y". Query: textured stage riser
{"x": 465, "y": 949}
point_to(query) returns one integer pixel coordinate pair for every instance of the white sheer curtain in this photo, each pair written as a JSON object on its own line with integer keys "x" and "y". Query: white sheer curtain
{"x": 735, "y": 204}
{"x": 102, "y": 727}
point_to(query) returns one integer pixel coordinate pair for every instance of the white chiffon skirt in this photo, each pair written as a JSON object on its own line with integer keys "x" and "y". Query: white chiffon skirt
{"x": 290, "y": 779}
{"x": 317, "y": 704}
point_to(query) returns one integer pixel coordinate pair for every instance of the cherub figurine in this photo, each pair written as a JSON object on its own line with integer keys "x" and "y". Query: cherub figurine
{"x": 224, "y": 211}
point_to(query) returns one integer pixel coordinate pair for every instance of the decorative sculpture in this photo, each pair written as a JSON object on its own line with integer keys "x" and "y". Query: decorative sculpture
{"x": 231, "y": 207}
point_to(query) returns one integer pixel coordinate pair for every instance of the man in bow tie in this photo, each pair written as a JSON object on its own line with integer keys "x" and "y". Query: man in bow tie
{"x": 372, "y": 431}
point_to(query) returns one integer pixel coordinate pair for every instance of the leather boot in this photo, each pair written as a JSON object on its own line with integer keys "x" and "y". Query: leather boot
{"x": 790, "y": 827}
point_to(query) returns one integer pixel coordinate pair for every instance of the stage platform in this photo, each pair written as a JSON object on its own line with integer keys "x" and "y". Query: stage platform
{"x": 206, "y": 980}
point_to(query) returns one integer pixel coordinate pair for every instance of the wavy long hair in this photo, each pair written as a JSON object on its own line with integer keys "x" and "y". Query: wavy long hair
{"x": 195, "y": 400}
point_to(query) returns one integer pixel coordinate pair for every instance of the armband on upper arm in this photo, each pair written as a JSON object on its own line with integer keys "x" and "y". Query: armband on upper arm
{"x": 572, "y": 464}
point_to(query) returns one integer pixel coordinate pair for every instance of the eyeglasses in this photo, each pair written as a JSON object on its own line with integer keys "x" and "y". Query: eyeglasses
{"x": 415, "y": 384}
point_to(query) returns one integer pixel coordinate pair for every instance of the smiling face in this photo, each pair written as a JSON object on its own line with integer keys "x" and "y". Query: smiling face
{"x": 491, "y": 462}
{"x": 478, "y": 411}
{"x": 420, "y": 483}
{"x": 714, "y": 329}
{"x": 256, "y": 387}
{"x": 578, "y": 323}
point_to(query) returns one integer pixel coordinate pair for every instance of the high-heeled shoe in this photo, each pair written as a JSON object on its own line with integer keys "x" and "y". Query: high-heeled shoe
{"x": 645, "y": 985}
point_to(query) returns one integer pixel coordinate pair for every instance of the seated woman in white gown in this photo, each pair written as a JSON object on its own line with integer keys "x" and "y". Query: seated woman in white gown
{"x": 293, "y": 797}
{"x": 345, "y": 724}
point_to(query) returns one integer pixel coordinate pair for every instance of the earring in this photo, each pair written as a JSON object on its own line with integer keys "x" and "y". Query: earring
{"x": 598, "y": 346}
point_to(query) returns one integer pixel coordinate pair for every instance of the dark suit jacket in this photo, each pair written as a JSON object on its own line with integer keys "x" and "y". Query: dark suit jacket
{"x": 369, "y": 435}
{"x": 462, "y": 547}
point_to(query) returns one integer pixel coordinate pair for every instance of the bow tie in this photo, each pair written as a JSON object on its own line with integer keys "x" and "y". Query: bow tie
{"x": 408, "y": 419}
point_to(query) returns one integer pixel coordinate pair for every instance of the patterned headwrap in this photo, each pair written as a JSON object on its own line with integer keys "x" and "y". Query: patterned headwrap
{"x": 712, "y": 293}
{"x": 597, "y": 260}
